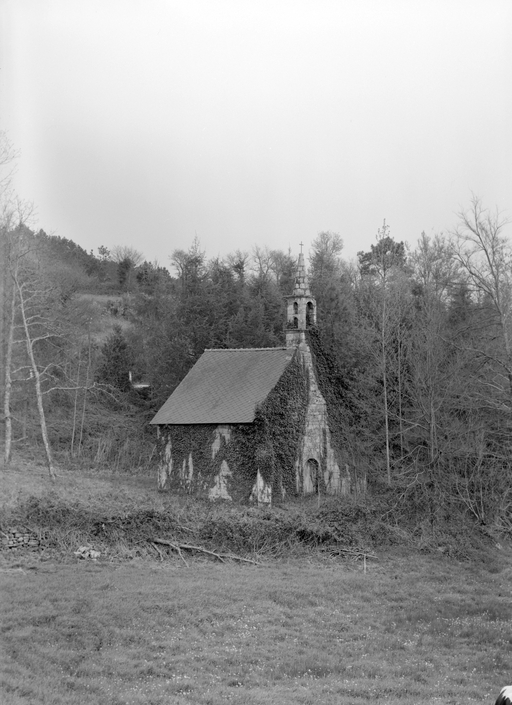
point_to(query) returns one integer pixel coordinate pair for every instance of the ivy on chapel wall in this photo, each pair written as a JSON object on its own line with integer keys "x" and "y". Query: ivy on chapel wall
{"x": 270, "y": 445}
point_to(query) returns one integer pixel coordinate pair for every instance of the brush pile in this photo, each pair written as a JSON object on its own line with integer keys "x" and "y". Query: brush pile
{"x": 123, "y": 524}
{"x": 61, "y": 527}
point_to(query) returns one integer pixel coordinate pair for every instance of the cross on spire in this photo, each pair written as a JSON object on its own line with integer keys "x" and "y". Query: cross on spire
{"x": 301, "y": 246}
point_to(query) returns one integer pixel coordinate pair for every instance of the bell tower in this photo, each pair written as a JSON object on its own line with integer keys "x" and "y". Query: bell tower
{"x": 300, "y": 307}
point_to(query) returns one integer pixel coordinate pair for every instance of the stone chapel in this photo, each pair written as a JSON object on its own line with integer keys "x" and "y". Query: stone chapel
{"x": 252, "y": 424}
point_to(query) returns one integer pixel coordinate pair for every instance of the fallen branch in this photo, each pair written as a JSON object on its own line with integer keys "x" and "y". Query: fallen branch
{"x": 181, "y": 554}
{"x": 353, "y": 552}
{"x": 157, "y": 550}
{"x": 171, "y": 545}
{"x": 188, "y": 547}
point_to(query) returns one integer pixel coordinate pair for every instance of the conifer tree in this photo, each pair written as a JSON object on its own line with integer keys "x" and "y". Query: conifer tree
{"x": 116, "y": 361}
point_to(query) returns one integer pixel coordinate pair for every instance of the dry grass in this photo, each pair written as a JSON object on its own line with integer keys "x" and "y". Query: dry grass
{"x": 29, "y": 478}
{"x": 411, "y": 628}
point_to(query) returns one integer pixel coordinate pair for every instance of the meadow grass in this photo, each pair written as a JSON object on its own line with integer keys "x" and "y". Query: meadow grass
{"x": 409, "y": 630}
{"x": 27, "y": 478}
{"x": 126, "y": 630}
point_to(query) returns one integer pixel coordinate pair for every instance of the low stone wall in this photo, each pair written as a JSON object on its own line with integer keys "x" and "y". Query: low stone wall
{"x": 19, "y": 538}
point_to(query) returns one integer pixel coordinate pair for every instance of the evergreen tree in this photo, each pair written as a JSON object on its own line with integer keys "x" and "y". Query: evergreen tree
{"x": 116, "y": 361}
{"x": 383, "y": 256}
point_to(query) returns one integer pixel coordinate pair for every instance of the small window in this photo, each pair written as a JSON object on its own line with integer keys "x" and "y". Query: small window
{"x": 295, "y": 307}
{"x": 310, "y": 314}
{"x": 295, "y": 322}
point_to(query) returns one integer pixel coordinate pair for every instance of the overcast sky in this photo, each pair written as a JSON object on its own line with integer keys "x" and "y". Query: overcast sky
{"x": 254, "y": 122}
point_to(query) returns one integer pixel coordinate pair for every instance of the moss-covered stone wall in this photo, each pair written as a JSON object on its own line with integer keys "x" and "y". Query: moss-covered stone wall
{"x": 333, "y": 388}
{"x": 321, "y": 469}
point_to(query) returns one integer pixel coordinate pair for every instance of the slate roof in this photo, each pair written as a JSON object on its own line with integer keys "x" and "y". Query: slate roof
{"x": 225, "y": 386}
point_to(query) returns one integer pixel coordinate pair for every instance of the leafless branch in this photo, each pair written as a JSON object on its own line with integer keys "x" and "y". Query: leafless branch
{"x": 201, "y": 549}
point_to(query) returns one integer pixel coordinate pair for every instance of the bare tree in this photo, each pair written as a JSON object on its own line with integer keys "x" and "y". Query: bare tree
{"x": 325, "y": 254}
{"x": 434, "y": 370}
{"x": 434, "y": 267}
{"x": 262, "y": 263}
{"x": 385, "y": 301}
{"x": 13, "y": 213}
{"x": 44, "y": 327}
{"x": 7, "y": 293}
{"x": 25, "y": 296}
{"x": 190, "y": 265}
{"x": 484, "y": 254}
{"x": 381, "y": 271}
{"x": 119, "y": 253}
{"x": 6, "y": 158}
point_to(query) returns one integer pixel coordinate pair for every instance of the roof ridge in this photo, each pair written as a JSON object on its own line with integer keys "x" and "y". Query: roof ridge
{"x": 241, "y": 349}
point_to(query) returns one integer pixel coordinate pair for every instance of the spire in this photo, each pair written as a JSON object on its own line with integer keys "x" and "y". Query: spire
{"x": 300, "y": 308}
{"x": 301, "y": 287}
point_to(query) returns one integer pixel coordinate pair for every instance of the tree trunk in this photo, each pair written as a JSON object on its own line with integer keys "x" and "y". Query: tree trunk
{"x": 8, "y": 382}
{"x": 37, "y": 379}
{"x": 385, "y": 381}
{"x": 400, "y": 391}
{"x": 75, "y": 407}
{"x": 87, "y": 377}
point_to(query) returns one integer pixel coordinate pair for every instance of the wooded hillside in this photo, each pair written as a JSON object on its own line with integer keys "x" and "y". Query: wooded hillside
{"x": 416, "y": 343}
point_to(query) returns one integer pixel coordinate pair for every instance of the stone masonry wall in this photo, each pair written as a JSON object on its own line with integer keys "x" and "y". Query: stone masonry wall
{"x": 317, "y": 441}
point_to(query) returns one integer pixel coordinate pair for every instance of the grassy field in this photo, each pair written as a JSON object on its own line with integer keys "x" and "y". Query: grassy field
{"x": 405, "y": 628}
